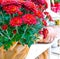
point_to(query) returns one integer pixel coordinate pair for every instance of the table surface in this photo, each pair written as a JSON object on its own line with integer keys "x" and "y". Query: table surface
{"x": 56, "y": 50}
{"x": 37, "y": 49}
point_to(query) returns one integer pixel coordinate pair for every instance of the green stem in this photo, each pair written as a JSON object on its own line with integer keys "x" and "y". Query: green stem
{"x": 25, "y": 31}
{"x": 2, "y": 17}
{"x": 11, "y": 16}
{"x": 8, "y": 34}
{"x": 1, "y": 34}
{"x": 17, "y": 29}
{"x": 13, "y": 36}
{"x": 5, "y": 33}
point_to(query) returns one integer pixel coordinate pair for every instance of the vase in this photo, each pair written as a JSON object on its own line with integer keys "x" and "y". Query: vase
{"x": 17, "y": 51}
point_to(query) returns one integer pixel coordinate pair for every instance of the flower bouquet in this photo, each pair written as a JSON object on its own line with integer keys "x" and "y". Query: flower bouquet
{"x": 21, "y": 21}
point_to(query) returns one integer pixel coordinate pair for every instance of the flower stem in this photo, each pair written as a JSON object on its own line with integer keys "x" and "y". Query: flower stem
{"x": 1, "y": 34}
{"x": 5, "y": 33}
{"x": 17, "y": 29}
{"x": 2, "y": 17}
{"x": 25, "y": 31}
{"x": 8, "y": 34}
{"x": 11, "y": 16}
{"x": 13, "y": 36}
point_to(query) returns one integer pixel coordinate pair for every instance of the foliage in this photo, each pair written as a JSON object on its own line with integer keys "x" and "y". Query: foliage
{"x": 19, "y": 22}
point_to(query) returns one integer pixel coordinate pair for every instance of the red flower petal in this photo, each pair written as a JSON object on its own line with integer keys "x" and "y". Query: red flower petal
{"x": 0, "y": 1}
{"x": 29, "y": 5}
{"x": 41, "y": 32}
{"x": 16, "y": 21}
{"x": 46, "y": 13}
{"x": 20, "y": 13}
{"x": 38, "y": 13}
{"x": 45, "y": 32}
{"x": 44, "y": 22}
{"x": 10, "y": 9}
{"x": 4, "y": 27}
{"x": 29, "y": 19}
{"x": 38, "y": 1}
{"x": 14, "y": 31}
{"x": 50, "y": 18}
{"x": 6, "y": 2}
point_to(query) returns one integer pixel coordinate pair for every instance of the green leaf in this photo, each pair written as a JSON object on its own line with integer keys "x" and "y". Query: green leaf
{"x": 8, "y": 44}
{"x": 16, "y": 37}
{"x": 1, "y": 44}
{"x": 26, "y": 33}
{"x": 0, "y": 8}
{"x": 23, "y": 10}
{"x": 15, "y": 14}
{"x": 56, "y": 1}
{"x": 3, "y": 39}
{"x": 10, "y": 31}
{"x": 22, "y": 41}
{"x": 30, "y": 43}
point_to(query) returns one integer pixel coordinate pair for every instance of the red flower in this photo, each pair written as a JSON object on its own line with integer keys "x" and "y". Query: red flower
{"x": 10, "y": 9}
{"x": 56, "y": 4}
{"x": 38, "y": 13}
{"x": 41, "y": 32}
{"x": 38, "y": 1}
{"x": 46, "y": 5}
{"x": 44, "y": 22}
{"x": 29, "y": 5}
{"x": 20, "y": 13}
{"x": 16, "y": 21}
{"x": 14, "y": 31}
{"x": 50, "y": 18}
{"x": 42, "y": 2}
{"x": 45, "y": 32}
{"x": 29, "y": 19}
{"x": 6, "y": 2}
{"x": 46, "y": 13}
{"x": 4, "y": 27}
{"x": 0, "y": 1}
{"x": 41, "y": 7}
